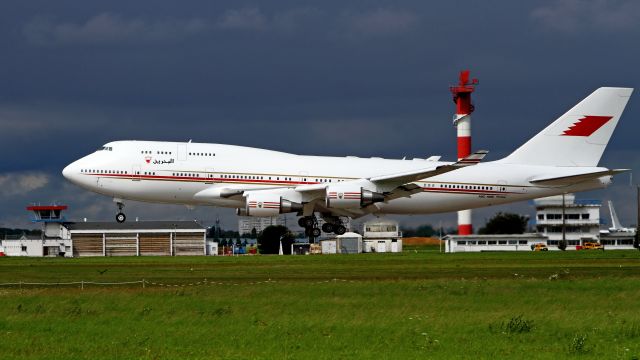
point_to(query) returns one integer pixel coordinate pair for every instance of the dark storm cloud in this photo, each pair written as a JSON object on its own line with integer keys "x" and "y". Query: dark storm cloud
{"x": 335, "y": 78}
{"x": 108, "y": 28}
{"x": 572, "y": 16}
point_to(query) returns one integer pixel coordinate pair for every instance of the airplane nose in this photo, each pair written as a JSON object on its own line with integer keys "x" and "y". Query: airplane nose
{"x": 67, "y": 172}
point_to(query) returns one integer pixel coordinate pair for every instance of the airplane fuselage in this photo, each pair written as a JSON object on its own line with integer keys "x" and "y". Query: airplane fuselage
{"x": 171, "y": 172}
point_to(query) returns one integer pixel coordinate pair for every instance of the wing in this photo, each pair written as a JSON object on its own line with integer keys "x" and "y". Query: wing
{"x": 391, "y": 186}
{"x": 314, "y": 197}
{"x": 398, "y": 179}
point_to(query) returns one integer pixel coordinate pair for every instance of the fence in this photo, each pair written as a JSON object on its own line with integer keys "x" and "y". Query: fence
{"x": 145, "y": 283}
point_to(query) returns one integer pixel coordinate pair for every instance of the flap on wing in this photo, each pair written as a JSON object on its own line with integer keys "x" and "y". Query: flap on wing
{"x": 226, "y": 191}
{"x": 313, "y": 187}
{"x": 573, "y": 179}
{"x": 415, "y": 175}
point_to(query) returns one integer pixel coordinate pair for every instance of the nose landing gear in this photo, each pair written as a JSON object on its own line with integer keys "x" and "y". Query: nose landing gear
{"x": 120, "y": 216}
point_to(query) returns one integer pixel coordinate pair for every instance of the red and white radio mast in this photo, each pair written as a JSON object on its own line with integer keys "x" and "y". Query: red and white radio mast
{"x": 462, "y": 121}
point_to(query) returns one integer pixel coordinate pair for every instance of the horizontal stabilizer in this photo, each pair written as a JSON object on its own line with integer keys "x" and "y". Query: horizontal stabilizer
{"x": 574, "y": 179}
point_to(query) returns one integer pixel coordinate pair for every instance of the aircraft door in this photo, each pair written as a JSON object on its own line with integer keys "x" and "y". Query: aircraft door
{"x": 502, "y": 185}
{"x": 135, "y": 172}
{"x": 182, "y": 152}
{"x": 210, "y": 176}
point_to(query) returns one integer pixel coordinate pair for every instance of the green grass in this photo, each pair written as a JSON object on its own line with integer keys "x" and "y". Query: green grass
{"x": 415, "y": 305}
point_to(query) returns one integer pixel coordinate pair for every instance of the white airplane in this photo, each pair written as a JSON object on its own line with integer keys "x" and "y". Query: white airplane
{"x": 562, "y": 158}
{"x": 616, "y": 227}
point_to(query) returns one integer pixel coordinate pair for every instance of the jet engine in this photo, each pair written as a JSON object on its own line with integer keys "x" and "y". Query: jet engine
{"x": 268, "y": 205}
{"x": 349, "y": 197}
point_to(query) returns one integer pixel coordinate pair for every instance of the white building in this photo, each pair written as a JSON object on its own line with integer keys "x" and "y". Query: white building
{"x": 246, "y": 224}
{"x": 498, "y": 242}
{"x": 582, "y": 225}
{"x": 347, "y": 243}
{"x": 36, "y": 246}
{"x": 381, "y": 235}
{"x": 582, "y": 219}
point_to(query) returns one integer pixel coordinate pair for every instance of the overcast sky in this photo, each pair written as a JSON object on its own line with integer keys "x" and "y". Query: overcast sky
{"x": 298, "y": 76}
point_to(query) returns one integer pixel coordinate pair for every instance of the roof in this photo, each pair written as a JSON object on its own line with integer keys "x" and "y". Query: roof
{"x": 349, "y": 235}
{"x": 46, "y": 207}
{"x": 381, "y": 221}
{"x": 494, "y": 236}
{"x": 135, "y": 225}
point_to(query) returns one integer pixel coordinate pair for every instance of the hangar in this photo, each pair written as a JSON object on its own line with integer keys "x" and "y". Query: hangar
{"x": 139, "y": 238}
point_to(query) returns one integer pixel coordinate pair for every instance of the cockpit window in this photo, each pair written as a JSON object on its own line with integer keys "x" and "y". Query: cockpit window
{"x": 106, "y": 148}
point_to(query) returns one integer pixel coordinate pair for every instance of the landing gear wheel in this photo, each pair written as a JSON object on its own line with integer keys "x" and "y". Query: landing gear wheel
{"x": 301, "y": 222}
{"x": 328, "y": 228}
{"x": 120, "y": 217}
{"x": 340, "y": 230}
{"x": 315, "y": 232}
{"x": 309, "y": 221}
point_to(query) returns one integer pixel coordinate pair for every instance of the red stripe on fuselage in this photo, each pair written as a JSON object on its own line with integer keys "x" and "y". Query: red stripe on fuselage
{"x": 282, "y": 182}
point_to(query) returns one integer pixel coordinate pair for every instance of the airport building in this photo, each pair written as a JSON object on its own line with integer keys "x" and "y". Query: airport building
{"x": 246, "y": 224}
{"x": 581, "y": 226}
{"x": 137, "y": 238}
{"x": 581, "y": 219}
{"x": 479, "y": 243}
{"x": 78, "y": 239}
{"x": 381, "y": 235}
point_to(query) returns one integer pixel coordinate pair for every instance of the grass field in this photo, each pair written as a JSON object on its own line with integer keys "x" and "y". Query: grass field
{"x": 415, "y": 305}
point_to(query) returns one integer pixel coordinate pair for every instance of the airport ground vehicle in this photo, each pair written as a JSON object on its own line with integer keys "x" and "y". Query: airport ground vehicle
{"x": 592, "y": 246}
{"x": 539, "y": 247}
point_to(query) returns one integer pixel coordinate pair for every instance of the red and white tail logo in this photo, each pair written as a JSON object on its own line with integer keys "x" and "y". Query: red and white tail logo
{"x": 579, "y": 136}
{"x": 587, "y": 125}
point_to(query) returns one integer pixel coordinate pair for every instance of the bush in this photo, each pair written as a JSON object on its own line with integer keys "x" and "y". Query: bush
{"x": 562, "y": 245}
{"x": 518, "y": 325}
{"x": 269, "y": 240}
{"x": 505, "y": 223}
{"x": 578, "y": 344}
{"x": 515, "y": 325}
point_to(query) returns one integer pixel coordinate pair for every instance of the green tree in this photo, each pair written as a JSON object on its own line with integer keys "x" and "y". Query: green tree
{"x": 269, "y": 240}
{"x": 18, "y": 232}
{"x": 562, "y": 245}
{"x": 505, "y": 223}
{"x": 230, "y": 234}
{"x": 254, "y": 233}
{"x": 425, "y": 230}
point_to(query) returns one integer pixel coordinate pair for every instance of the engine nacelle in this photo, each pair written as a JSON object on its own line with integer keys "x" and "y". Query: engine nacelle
{"x": 268, "y": 205}
{"x": 349, "y": 197}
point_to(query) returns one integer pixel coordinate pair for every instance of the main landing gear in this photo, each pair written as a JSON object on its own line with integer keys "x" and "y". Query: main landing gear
{"x": 120, "y": 216}
{"x": 310, "y": 225}
{"x": 332, "y": 225}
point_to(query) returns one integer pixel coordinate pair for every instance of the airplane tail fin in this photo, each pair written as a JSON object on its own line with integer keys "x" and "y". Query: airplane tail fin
{"x": 579, "y": 137}
{"x": 615, "y": 223}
